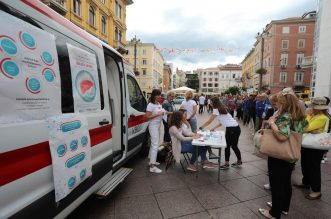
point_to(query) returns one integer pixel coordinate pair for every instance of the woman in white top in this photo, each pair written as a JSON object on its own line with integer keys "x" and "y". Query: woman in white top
{"x": 181, "y": 137}
{"x": 154, "y": 113}
{"x": 191, "y": 108}
{"x": 232, "y": 132}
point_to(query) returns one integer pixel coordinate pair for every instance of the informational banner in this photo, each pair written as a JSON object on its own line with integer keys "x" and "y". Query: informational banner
{"x": 70, "y": 147}
{"x": 30, "y": 86}
{"x": 85, "y": 80}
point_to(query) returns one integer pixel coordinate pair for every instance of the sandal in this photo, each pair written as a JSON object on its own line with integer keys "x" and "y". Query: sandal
{"x": 266, "y": 213}
{"x": 313, "y": 197}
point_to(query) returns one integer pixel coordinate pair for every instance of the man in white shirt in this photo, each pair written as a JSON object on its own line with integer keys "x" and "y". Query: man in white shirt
{"x": 201, "y": 103}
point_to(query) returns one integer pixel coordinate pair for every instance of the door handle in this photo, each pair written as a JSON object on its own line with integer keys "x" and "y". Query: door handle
{"x": 104, "y": 122}
{"x": 132, "y": 115}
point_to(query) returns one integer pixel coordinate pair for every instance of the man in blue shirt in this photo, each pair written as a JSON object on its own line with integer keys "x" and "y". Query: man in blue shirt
{"x": 260, "y": 107}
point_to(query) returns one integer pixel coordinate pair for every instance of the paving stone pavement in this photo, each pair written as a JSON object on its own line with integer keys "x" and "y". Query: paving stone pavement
{"x": 173, "y": 194}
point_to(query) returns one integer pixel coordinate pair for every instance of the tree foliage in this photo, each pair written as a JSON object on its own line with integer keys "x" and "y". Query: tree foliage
{"x": 261, "y": 71}
{"x": 233, "y": 90}
{"x": 193, "y": 82}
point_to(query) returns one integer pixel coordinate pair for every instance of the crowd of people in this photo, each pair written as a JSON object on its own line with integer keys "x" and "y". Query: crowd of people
{"x": 283, "y": 113}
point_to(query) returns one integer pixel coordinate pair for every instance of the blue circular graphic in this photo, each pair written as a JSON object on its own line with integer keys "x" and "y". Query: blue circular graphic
{"x": 49, "y": 75}
{"x": 10, "y": 68}
{"x": 86, "y": 86}
{"x": 47, "y": 57}
{"x": 84, "y": 140}
{"x": 71, "y": 182}
{"x": 9, "y": 46}
{"x": 61, "y": 150}
{"x": 28, "y": 40}
{"x": 33, "y": 85}
{"x": 82, "y": 174}
{"x": 73, "y": 145}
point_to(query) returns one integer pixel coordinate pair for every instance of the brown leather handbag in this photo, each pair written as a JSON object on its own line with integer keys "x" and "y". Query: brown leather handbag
{"x": 288, "y": 150}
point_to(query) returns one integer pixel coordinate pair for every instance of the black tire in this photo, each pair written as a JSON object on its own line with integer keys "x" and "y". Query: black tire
{"x": 146, "y": 145}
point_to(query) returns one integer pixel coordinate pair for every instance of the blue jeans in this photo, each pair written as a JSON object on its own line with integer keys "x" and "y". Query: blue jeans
{"x": 193, "y": 124}
{"x": 187, "y": 147}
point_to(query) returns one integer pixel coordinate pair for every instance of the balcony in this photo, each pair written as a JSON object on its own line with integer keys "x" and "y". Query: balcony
{"x": 298, "y": 83}
{"x": 120, "y": 47}
{"x": 307, "y": 62}
{"x": 60, "y": 6}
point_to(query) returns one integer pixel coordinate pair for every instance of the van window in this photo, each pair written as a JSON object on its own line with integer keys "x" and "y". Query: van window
{"x": 137, "y": 100}
{"x": 65, "y": 71}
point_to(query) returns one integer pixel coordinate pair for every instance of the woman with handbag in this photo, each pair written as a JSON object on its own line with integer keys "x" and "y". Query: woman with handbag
{"x": 290, "y": 117}
{"x": 311, "y": 158}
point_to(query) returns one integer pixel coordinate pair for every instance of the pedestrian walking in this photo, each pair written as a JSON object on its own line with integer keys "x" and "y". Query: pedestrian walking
{"x": 232, "y": 131}
{"x": 191, "y": 108}
{"x": 290, "y": 116}
{"x": 154, "y": 113}
{"x": 201, "y": 103}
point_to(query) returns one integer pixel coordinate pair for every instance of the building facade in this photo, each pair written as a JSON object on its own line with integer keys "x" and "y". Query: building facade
{"x": 167, "y": 77}
{"x": 105, "y": 19}
{"x": 280, "y": 50}
{"x": 321, "y": 77}
{"x": 180, "y": 78}
{"x": 149, "y": 63}
{"x": 216, "y": 80}
{"x": 248, "y": 72}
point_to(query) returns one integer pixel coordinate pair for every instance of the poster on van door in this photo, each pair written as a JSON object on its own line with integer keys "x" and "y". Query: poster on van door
{"x": 70, "y": 147}
{"x": 30, "y": 86}
{"x": 85, "y": 80}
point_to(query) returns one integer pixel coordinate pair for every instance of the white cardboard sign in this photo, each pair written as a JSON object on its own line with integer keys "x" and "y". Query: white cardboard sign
{"x": 30, "y": 86}
{"x": 70, "y": 147}
{"x": 85, "y": 80}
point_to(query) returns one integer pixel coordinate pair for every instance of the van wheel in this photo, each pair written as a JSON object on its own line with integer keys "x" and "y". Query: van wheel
{"x": 146, "y": 145}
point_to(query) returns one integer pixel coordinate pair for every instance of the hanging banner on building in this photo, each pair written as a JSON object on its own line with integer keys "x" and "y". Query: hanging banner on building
{"x": 70, "y": 147}
{"x": 85, "y": 80}
{"x": 30, "y": 86}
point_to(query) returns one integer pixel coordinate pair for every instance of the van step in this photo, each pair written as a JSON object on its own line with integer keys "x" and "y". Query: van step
{"x": 116, "y": 179}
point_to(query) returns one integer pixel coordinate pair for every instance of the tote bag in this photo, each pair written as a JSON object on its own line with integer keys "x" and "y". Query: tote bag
{"x": 320, "y": 141}
{"x": 288, "y": 150}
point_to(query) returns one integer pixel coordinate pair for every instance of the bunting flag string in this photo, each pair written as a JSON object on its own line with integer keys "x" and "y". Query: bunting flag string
{"x": 197, "y": 50}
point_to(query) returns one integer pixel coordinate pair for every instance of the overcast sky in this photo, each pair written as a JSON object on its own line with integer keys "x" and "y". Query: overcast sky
{"x": 208, "y": 24}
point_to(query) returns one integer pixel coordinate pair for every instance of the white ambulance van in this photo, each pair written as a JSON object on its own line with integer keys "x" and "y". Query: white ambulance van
{"x": 118, "y": 128}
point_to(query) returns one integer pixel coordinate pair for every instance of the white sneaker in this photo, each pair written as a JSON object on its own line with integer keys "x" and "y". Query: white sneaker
{"x": 155, "y": 170}
{"x": 267, "y": 186}
{"x": 322, "y": 161}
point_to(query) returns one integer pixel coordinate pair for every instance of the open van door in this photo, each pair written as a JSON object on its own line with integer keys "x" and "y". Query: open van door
{"x": 116, "y": 96}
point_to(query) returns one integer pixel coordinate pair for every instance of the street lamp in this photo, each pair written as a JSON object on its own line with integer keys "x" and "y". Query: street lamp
{"x": 261, "y": 71}
{"x": 135, "y": 41}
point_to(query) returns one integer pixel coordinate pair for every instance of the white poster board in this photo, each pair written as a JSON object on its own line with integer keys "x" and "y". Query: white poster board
{"x": 70, "y": 147}
{"x": 85, "y": 80}
{"x": 30, "y": 86}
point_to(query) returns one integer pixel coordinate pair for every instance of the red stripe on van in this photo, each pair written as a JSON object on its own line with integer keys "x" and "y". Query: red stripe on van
{"x": 24, "y": 161}
{"x": 45, "y": 10}
{"x": 137, "y": 120}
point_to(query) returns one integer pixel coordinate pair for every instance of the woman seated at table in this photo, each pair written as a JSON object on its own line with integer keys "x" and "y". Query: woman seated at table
{"x": 183, "y": 144}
